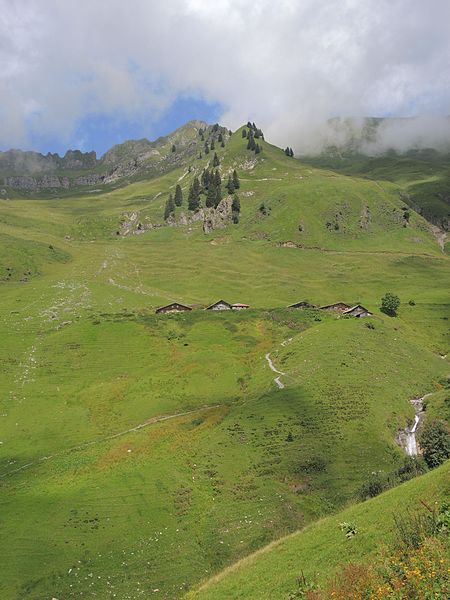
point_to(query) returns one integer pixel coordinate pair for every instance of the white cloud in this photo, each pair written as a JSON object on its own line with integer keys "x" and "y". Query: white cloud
{"x": 287, "y": 65}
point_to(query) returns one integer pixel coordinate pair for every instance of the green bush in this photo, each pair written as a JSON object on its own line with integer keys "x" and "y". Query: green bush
{"x": 435, "y": 443}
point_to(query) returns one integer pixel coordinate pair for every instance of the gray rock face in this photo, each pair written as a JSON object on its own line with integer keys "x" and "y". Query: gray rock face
{"x": 33, "y": 183}
{"x": 218, "y": 218}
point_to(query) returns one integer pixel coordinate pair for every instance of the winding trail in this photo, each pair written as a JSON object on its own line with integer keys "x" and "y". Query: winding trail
{"x": 277, "y": 380}
{"x": 151, "y": 421}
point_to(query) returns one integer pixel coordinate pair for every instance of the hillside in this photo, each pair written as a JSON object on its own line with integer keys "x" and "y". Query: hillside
{"x": 146, "y": 452}
{"x": 321, "y": 549}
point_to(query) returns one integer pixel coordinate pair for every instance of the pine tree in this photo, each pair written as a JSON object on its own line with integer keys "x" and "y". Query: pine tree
{"x": 236, "y": 204}
{"x": 193, "y": 199}
{"x": 178, "y": 196}
{"x": 257, "y": 149}
{"x": 218, "y": 195}
{"x": 174, "y": 148}
{"x": 230, "y": 185}
{"x": 217, "y": 179}
{"x": 216, "y": 161}
{"x": 291, "y": 152}
{"x": 196, "y": 187}
{"x": 206, "y": 148}
{"x": 236, "y": 182}
{"x": 287, "y": 151}
{"x": 212, "y": 144}
{"x": 205, "y": 179}
{"x": 249, "y": 125}
{"x": 211, "y": 196}
{"x": 251, "y": 145}
{"x": 169, "y": 208}
{"x": 200, "y": 131}
{"x": 244, "y": 133}
{"x": 222, "y": 144}
{"x": 220, "y": 137}
{"x": 202, "y": 137}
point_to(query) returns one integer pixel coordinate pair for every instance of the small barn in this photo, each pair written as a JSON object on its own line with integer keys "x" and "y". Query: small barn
{"x": 357, "y": 311}
{"x": 302, "y": 304}
{"x": 339, "y": 307}
{"x": 220, "y": 305}
{"x": 239, "y": 306}
{"x": 172, "y": 308}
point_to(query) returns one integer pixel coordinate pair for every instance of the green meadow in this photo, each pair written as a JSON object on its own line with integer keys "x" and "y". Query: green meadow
{"x": 142, "y": 454}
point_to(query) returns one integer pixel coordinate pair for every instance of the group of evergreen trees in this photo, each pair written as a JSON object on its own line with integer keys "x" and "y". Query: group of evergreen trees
{"x": 252, "y": 134}
{"x": 209, "y": 184}
{"x": 173, "y": 202}
{"x": 289, "y": 152}
{"x": 215, "y": 135}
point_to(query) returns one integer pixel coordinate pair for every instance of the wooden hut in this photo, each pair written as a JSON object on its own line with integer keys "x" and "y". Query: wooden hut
{"x": 339, "y": 307}
{"x": 219, "y": 305}
{"x": 302, "y": 304}
{"x": 239, "y": 306}
{"x": 172, "y": 308}
{"x": 357, "y": 311}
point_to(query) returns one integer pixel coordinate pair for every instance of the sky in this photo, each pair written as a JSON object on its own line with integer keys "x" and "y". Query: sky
{"x": 92, "y": 73}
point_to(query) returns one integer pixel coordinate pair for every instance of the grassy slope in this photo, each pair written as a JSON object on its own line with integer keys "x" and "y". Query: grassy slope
{"x": 322, "y": 547}
{"x": 83, "y": 358}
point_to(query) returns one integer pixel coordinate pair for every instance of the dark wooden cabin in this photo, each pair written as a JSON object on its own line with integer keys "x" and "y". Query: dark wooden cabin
{"x": 173, "y": 307}
{"x": 302, "y": 304}
{"x": 357, "y": 311}
{"x": 219, "y": 305}
{"x": 337, "y": 307}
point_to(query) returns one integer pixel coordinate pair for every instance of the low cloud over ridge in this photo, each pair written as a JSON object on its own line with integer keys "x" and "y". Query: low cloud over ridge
{"x": 288, "y": 65}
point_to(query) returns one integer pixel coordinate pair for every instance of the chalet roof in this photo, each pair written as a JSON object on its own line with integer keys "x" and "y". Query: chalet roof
{"x": 335, "y": 304}
{"x": 173, "y": 305}
{"x": 219, "y": 302}
{"x": 352, "y": 308}
{"x": 301, "y": 303}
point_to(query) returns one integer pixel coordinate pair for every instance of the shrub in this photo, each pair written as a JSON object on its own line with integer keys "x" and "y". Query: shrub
{"x": 389, "y": 304}
{"x": 435, "y": 443}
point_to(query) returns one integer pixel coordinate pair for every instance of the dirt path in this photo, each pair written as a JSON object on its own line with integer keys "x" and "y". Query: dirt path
{"x": 277, "y": 380}
{"x": 151, "y": 421}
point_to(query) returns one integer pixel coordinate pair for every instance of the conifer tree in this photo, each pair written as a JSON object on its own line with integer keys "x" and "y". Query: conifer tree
{"x": 249, "y": 125}
{"x": 205, "y": 179}
{"x": 236, "y": 204}
{"x": 211, "y": 196}
{"x": 291, "y": 152}
{"x": 218, "y": 196}
{"x": 287, "y": 151}
{"x": 196, "y": 187}
{"x": 206, "y": 148}
{"x": 244, "y": 133}
{"x": 212, "y": 144}
{"x": 178, "y": 196}
{"x": 216, "y": 161}
{"x": 236, "y": 182}
{"x": 222, "y": 144}
{"x": 217, "y": 179}
{"x": 220, "y": 137}
{"x": 174, "y": 148}
{"x": 193, "y": 199}
{"x": 169, "y": 208}
{"x": 257, "y": 149}
{"x": 230, "y": 185}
